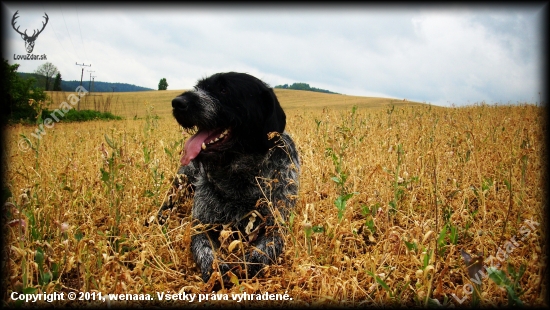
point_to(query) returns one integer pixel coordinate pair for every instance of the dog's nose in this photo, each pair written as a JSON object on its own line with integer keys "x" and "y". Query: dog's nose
{"x": 179, "y": 103}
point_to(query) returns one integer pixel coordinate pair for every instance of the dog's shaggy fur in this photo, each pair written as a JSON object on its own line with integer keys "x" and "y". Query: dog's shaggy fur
{"x": 240, "y": 167}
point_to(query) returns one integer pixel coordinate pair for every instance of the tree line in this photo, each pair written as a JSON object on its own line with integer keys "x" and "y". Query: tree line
{"x": 48, "y": 77}
{"x": 304, "y": 86}
{"x": 22, "y": 99}
{"x": 95, "y": 86}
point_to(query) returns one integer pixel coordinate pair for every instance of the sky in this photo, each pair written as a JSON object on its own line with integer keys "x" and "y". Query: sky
{"x": 447, "y": 55}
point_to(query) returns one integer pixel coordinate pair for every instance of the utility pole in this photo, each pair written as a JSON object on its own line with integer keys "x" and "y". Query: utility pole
{"x": 81, "y": 75}
{"x": 93, "y": 78}
{"x": 90, "y": 83}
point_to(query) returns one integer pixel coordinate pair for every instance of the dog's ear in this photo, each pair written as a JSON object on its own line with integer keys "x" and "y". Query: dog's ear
{"x": 275, "y": 118}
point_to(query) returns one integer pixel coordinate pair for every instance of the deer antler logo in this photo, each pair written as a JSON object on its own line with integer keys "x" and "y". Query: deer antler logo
{"x": 29, "y": 40}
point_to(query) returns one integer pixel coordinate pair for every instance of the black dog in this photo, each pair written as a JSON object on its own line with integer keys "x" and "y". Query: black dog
{"x": 240, "y": 167}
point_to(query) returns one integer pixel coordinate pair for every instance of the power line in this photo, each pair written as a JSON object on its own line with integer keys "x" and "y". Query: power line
{"x": 81, "y": 39}
{"x": 56, "y": 37}
{"x": 69, "y": 33}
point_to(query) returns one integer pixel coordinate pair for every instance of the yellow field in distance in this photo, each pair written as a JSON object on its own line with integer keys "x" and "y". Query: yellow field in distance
{"x": 131, "y": 104}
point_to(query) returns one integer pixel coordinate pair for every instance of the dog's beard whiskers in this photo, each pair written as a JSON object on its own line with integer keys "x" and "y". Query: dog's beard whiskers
{"x": 209, "y": 103}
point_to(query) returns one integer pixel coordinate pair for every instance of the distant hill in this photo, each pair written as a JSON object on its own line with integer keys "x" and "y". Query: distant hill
{"x": 304, "y": 86}
{"x": 97, "y": 87}
{"x": 103, "y": 86}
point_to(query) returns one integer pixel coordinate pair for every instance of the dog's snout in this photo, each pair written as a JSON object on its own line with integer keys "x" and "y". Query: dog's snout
{"x": 180, "y": 103}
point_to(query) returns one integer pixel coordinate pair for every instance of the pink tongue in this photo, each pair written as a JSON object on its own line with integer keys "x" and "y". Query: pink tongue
{"x": 193, "y": 147}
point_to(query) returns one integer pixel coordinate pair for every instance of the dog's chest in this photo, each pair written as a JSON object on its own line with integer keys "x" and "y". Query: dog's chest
{"x": 224, "y": 200}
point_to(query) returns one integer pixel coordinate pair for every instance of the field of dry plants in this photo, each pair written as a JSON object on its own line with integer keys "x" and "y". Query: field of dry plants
{"x": 399, "y": 204}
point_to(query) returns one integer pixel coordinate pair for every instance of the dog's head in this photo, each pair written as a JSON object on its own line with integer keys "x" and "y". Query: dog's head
{"x": 232, "y": 113}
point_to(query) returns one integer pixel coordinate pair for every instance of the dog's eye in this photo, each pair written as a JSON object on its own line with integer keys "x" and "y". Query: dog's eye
{"x": 223, "y": 91}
